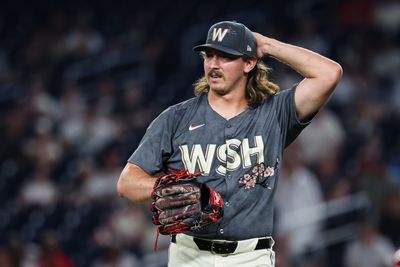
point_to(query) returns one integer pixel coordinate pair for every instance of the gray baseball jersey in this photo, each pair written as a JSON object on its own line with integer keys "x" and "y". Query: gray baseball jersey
{"x": 239, "y": 157}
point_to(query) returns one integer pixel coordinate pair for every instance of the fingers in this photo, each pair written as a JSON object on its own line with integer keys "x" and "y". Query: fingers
{"x": 173, "y": 215}
{"x": 263, "y": 43}
{"x": 176, "y": 190}
{"x": 175, "y": 201}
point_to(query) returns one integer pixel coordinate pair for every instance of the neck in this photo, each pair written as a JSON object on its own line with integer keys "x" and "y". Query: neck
{"x": 229, "y": 105}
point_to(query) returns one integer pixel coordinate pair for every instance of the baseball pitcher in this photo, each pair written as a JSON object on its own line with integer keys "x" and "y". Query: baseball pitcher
{"x": 220, "y": 152}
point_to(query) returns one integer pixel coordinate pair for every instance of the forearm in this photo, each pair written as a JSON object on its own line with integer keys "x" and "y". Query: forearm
{"x": 135, "y": 184}
{"x": 321, "y": 75}
{"x": 307, "y": 63}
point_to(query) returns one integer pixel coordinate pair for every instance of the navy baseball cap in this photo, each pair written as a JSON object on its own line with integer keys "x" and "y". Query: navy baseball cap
{"x": 230, "y": 37}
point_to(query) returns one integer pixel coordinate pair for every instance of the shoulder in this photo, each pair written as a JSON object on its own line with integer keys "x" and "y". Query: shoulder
{"x": 179, "y": 106}
{"x": 178, "y": 111}
{"x": 286, "y": 92}
{"x": 184, "y": 105}
{"x": 282, "y": 97}
{"x": 276, "y": 99}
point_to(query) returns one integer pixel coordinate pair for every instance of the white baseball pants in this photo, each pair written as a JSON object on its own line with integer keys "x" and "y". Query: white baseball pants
{"x": 185, "y": 253}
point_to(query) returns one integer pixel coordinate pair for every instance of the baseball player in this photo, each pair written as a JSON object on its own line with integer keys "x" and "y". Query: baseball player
{"x": 233, "y": 133}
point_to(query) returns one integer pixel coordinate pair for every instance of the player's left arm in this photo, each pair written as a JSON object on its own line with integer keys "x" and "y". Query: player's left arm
{"x": 321, "y": 75}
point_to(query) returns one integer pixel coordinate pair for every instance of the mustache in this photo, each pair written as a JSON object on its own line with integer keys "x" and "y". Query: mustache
{"x": 215, "y": 73}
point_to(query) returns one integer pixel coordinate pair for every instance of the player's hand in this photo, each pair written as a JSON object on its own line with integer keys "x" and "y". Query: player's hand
{"x": 181, "y": 204}
{"x": 263, "y": 45}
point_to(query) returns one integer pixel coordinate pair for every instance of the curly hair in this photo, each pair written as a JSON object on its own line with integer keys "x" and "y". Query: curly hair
{"x": 258, "y": 87}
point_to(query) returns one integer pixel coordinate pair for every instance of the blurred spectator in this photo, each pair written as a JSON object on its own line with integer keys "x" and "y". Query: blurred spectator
{"x": 372, "y": 175}
{"x": 72, "y": 105}
{"x": 129, "y": 226}
{"x": 100, "y": 180}
{"x": 369, "y": 249}
{"x": 5, "y": 258}
{"x": 345, "y": 209}
{"x": 21, "y": 254}
{"x": 52, "y": 255}
{"x": 325, "y": 131}
{"x": 395, "y": 96}
{"x": 35, "y": 56}
{"x": 120, "y": 237}
{"x": 385, "y": 61}
{"x": 132, "y": 98}
{"x": 106, "y": 96}
{"x": 43, "y": 103}
{"x": 334, "y": 184}
{"x": 283, "y": 257}
{"x": 298, "y": 189}
{"x": 306, "y": 36}
{"x": 355, "y": 13}
{"x": 347, "y": 88}
{"x": 42, "y": 148}
{"x": 83, "y": 39}
{"x": 31, "y": 255}
{"x": 15, "y": 252}
{"x": 114, "y": 256}
{"x": 389, "y": 223}
{"x": 93, "y": 129}
{"x": 387, "y": 15}
{"x": 397, "y": 258}
{"x": 40, "y": 190}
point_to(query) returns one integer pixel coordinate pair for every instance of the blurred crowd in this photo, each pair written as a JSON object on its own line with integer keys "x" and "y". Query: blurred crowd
{"x": 81, "y": 81}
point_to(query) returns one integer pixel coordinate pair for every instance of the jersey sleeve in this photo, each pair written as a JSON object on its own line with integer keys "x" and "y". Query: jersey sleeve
{"x": 156, "y": 144}
{"x": 287, "y": 115}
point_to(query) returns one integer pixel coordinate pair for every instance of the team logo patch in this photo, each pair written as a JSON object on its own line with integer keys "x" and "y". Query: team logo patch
{"x": 219, "y": 34}
{"x": 259, "y": 174}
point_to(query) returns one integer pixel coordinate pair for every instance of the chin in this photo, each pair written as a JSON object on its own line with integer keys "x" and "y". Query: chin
{"x": 219, "y": 91}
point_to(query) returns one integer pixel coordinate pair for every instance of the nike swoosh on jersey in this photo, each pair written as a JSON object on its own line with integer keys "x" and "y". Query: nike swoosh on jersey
{"x": 191, "y": 128}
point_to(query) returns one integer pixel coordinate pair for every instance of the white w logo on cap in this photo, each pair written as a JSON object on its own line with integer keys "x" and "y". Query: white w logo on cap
{"x": 219, "y": 34}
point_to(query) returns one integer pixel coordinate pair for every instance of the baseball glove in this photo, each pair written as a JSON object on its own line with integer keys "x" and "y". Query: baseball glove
{"x": 181, "y": 204}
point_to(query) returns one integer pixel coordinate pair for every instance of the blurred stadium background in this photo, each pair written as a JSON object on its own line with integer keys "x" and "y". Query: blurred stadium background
{"x": 81, "y": 80}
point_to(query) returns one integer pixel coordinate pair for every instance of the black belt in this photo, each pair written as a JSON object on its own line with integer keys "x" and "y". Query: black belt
{"x": 220, "y": 247}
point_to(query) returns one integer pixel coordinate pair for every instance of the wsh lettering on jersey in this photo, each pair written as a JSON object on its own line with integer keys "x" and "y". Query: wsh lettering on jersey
{"x": 232, "y": 155}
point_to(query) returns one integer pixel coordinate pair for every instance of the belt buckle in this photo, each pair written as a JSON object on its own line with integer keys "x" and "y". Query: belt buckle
{"x": 215, "y": 249}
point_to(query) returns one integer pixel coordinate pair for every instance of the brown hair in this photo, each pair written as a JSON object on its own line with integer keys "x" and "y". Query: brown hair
{"x": 258, "y": 87}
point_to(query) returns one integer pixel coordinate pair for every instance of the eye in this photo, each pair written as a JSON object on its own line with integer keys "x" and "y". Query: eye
{"x": 228, "y": 57}
{"x": 206, "y": 55}
{"x": 223, "y": 57}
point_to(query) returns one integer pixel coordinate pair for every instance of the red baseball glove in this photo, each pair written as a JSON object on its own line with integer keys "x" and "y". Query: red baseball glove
{"x": 181, "y": 204}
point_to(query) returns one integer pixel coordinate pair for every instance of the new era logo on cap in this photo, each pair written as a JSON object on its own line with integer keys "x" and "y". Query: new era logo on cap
{"x": 230, "y": 37}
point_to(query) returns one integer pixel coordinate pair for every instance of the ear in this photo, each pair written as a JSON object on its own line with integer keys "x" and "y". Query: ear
{"x": 249, "y": 64}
